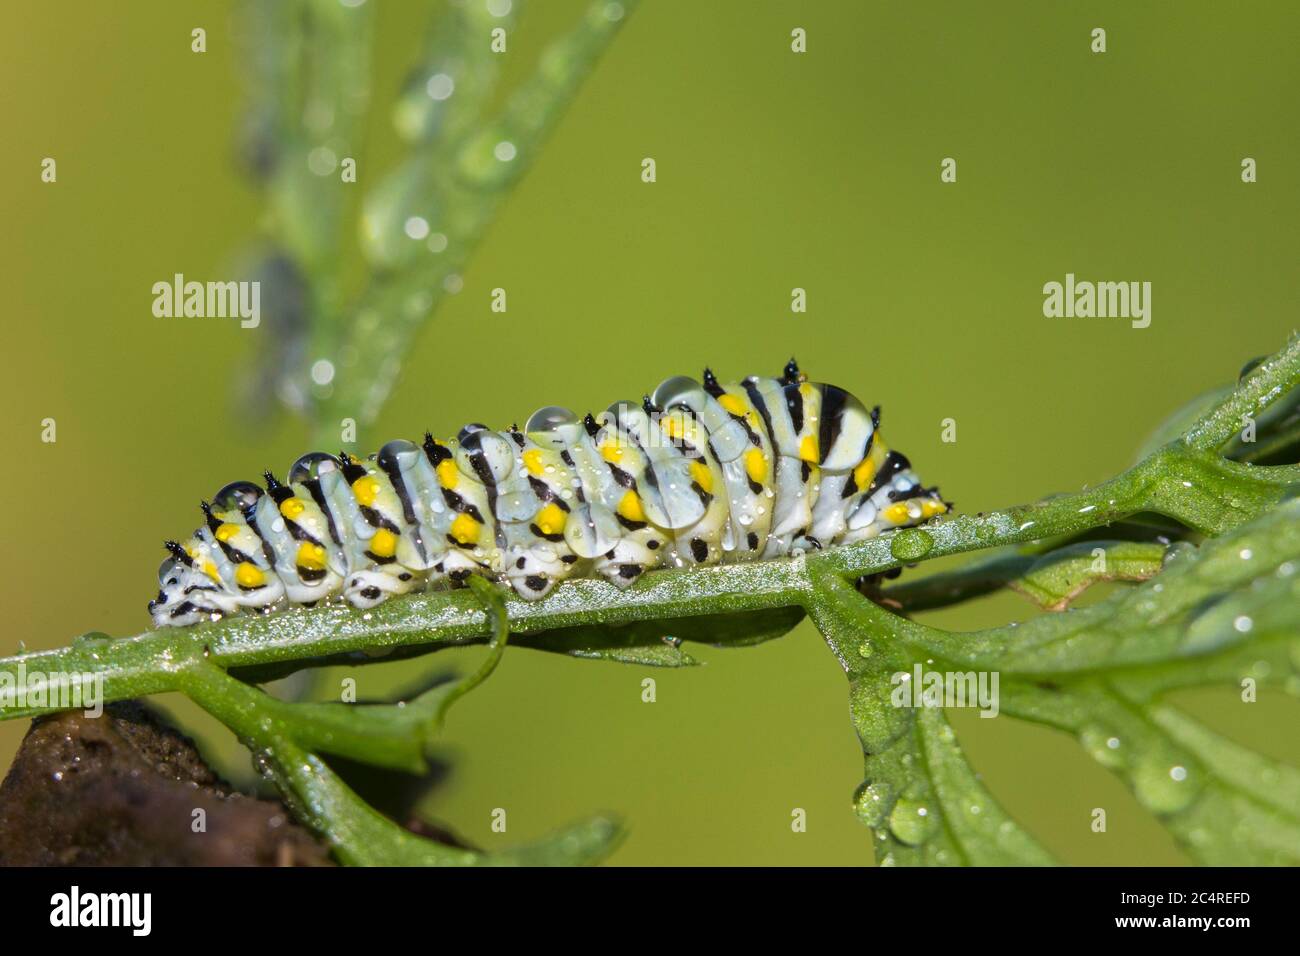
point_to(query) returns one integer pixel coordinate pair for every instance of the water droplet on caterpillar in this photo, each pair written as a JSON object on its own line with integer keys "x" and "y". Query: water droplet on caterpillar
{"x": 397, "y": 453}
{"x": 622, "y": 409}
{"x": 678, "y": 390}
{"x": 553, "y": 426}
{"x": 236, "y": 496}
{"x": 167, "y": 569}
{"x": 314, "y": 464}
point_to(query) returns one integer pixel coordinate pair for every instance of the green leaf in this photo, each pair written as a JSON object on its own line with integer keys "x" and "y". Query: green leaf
{"x": 1224, "y": 805}
{"x": 923, "y": 802}
{"x": 1057, "y": 578}
{"x": 1225, "y": 611}
{"x": 1188, "y": 611}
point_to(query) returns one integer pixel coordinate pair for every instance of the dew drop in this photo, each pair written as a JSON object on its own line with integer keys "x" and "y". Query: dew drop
{"x": 322, "y": 371}
{"x": 1164, "y": 787}
{"x": 912, "y": 822}
{"x": 870, "y": 802}
{"x": 440, "y": 86}
{"x": 911, "y": 544}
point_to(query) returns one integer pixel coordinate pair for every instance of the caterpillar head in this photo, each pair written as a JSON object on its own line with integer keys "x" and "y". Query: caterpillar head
{"x": 184, "y": 592}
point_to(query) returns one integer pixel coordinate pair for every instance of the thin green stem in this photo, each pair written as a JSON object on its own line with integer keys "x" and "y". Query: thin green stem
{"x": 1263, "y": 386}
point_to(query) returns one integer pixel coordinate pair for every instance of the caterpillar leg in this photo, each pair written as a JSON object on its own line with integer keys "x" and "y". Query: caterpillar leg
{"x": 531, "y": 574}
{"x": 630, "y": 558}
{"x": 367, "y": 589}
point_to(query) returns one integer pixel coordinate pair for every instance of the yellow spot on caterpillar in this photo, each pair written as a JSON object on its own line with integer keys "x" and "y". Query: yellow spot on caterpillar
{"x": 448, "y": 473}
{"x": 292, "y": 507}
{"x": 808, "y": 449}
{"x": 630, "y": 507}
{"x": 311, "y": 557}
{"x": 551, "y": 519}
{"x": 702, "y": 476}
{"x": 672, "y": 426}
{"x": 863, "y": 474}
{"x": 210, "y": 570}
{"x": 733, "y": 404}
{"x": 612, "y": 452}
{"x": 226, "y": 531}
{"x": 896, "y": 513}
{"x": 533, "y": 461}
{"x": 465, "y": 529}
{"x": 249, "y": 575}
{"x": 755, "y": 465}
{"x": 366, "y": 490}
{"x": 384, "y": 543}
{"x": 930, "y": 508}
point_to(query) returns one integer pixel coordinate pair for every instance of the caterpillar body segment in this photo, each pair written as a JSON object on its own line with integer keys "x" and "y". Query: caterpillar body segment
{"x": 697, "y": 473}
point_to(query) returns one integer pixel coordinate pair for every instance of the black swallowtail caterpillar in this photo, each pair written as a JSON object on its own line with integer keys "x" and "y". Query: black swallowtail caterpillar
{"x": 694, "y": 474}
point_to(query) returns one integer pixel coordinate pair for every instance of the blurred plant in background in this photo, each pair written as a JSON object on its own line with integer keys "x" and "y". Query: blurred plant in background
{"x": 338, "y": 351}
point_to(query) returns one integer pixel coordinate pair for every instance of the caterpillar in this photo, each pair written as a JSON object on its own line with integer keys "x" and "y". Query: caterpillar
{"x": 696, "y": 473}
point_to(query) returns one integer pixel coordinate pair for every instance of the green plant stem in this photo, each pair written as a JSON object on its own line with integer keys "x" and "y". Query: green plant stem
{"x": 286, "y": 740}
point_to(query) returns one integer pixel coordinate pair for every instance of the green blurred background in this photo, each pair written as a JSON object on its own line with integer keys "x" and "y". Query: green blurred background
{"x": 775, "y": 170}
